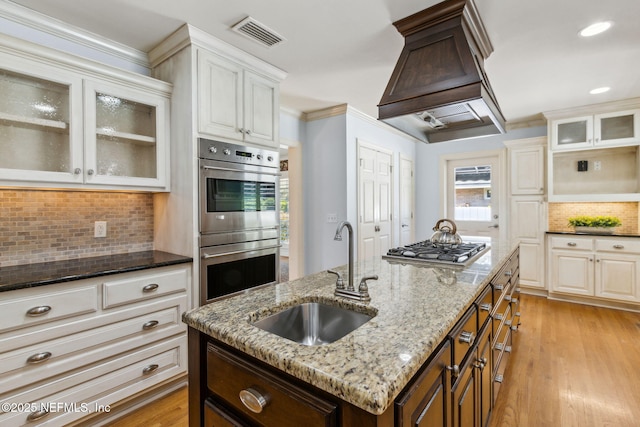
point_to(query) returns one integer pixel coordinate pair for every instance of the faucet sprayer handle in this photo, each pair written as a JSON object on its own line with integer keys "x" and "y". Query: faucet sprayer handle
{"x": 363, "y": 282}
{"x": 339, "y": 281}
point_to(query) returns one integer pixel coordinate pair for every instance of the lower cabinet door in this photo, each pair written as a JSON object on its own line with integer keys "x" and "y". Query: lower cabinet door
{"x": 465, "y": 399}
{"x": 426, "y": 401}
{"x": 484, "y": 377}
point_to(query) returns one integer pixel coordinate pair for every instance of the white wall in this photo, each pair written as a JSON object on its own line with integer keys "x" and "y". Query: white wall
{"x": 428, "y": 179}
{"x": 330, "y": 175}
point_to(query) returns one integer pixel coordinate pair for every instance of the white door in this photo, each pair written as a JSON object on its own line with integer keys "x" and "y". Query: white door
{"x": 407, "y": 230}
{"x": 374, "y": 204}
{"x": 473, "y": 195}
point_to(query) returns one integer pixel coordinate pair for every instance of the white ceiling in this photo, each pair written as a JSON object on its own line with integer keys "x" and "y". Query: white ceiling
{"x": 343, "y": 51}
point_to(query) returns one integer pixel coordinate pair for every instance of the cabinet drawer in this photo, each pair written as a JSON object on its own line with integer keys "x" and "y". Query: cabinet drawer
{"x": 101, "y": 384}
{"x": 464, "y": 334}
{"x": 279, "y": 403}
{"x": 23, "y": 312}
{"x": 622, "y": 245}
{"x": 218, "y": 416}
{"x": 485, "y": 305}
{"x": 139, "y": 288}
{"x": 581, "y": 243}
{"x": 43, "y": 360}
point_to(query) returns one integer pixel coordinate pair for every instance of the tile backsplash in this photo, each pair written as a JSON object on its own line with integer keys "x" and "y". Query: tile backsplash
{"x": 41, "y": 226}
{"x": 559, "y": 213}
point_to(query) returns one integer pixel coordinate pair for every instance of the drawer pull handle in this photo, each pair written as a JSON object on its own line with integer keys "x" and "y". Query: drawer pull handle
{"x": 572, "y": 244}
{"x": 485, "y": 306}
{"x": 37, "y": 415}
{"x": 150, "y": 288}
{"x": 455, "y": 370}
{"x": 150, "y": 325}
{"x": 481, "y": 363}
{"x": 499, "y": 346}
{"x": 507, "y": 349}
{"x": 508, "y": 273}
{"x": 38, "y": 311}
{"x": 467, "y": 337}
{"x": 514, "y": 301}
{"x": 253, "y": 400}
{"x": 618, "y": 246}
{"x": 499, "y": 378}
{"x": 150, "y": 369}
{"x": 498, "y": 287}
{"x": 39, "y": 358}
{"x": 498, "y": 316}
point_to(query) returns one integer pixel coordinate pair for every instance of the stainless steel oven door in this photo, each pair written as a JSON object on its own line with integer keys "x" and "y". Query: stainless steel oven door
{"x": 230, "y": 269}
{"x": 237, "y": 197}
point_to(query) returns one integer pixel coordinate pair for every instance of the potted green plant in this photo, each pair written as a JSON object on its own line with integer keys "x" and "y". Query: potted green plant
{"x": 594, "y": 224}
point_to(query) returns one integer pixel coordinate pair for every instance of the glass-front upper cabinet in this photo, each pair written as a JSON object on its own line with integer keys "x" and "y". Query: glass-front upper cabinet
{"x": 40, "y": 124}
{"x": 593, "y": 131}
{"x": 125, "y": 136}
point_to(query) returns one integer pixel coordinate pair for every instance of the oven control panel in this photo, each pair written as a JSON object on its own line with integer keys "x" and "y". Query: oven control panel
{"x": 216, "y": 150}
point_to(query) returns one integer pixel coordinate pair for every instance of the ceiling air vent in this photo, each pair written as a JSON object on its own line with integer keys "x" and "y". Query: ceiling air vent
{"x": 258, "y": 32}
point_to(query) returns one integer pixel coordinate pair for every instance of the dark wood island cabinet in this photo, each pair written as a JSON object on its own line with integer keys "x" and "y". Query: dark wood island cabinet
{"x": 456, "y": 385}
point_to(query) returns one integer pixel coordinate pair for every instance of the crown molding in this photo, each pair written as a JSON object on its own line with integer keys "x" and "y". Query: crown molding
{"x": 56, "y": 28}
{"x": 585, "y": 110}
{"x": 529, "y": 122}
{"x": 189, "y": 35}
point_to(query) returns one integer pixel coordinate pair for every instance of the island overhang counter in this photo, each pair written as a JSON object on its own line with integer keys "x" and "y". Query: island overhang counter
{"x": 415, "y": 307}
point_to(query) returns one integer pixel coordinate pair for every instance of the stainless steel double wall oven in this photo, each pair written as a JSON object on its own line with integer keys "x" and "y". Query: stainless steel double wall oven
{"x": 239, "y": 218}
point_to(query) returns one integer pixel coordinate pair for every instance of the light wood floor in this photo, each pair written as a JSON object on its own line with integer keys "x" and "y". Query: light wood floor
{"x": 572, "y": 366}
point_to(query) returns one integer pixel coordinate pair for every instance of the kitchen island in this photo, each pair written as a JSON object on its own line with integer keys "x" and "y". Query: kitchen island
{"x": 416, "y": 307}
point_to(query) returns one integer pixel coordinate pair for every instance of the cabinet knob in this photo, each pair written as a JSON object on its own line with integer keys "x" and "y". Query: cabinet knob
{"x": 466, "y": 337}
{"x": 77, "y": 171}
{"x": 253, "y": 400}
{"x": 149, "y": 369}
{"x": 150, "y": 288}
{"x": 38, "y": 358}
{"x": 455, "y": 370}
{"x": 37, "y": 415}
{"x": 38, "y": 311}
{"x": 90, "y": 172}
{"x": 150, "y": 325}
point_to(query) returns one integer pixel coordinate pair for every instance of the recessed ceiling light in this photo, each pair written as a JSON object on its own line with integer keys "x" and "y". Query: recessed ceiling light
{"x": 596, "y": 28}
{"x": 599, "y": 90}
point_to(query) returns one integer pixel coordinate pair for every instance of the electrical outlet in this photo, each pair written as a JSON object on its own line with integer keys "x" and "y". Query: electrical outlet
{"x": 597, "y": 165}
{"x": 100, "y": 229}
{"x": 332, "y": 218}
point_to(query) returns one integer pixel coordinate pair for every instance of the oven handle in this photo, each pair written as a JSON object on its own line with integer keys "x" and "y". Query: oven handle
{"x": 239, "y": 170}
{"x": 207, "y": 256}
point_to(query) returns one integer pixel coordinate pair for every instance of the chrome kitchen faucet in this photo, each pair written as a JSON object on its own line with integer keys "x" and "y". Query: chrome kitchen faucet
{"x": 362, "y": 294}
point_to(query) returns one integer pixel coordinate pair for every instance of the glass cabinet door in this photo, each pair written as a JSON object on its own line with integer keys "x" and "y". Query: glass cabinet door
{"x": 125, "y": 141}
{"x": 40, "y": 126}
{"x": 617, "y": 128}
{"x": 574, "y": 133}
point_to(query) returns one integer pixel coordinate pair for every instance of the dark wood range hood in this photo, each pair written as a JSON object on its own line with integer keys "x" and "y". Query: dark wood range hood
{"x": 438, "y": 90}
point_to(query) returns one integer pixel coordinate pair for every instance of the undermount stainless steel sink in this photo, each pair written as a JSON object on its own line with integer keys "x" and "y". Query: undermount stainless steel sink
{"x": 313, "y": 323}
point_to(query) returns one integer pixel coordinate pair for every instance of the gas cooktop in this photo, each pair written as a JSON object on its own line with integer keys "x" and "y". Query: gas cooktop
{"x": 462, "y": 254}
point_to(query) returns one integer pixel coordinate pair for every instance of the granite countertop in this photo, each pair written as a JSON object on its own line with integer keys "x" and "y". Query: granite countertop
{"x": 573, "y": 233}
{"x": 48, "y": 273}
{"x": 416, "y": 306}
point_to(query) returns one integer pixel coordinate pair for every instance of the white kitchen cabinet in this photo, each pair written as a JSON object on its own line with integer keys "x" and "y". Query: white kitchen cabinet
{"x": 236, "y": 103}
{"x": 528, "y": 208}
{"x": 66, "y": 122}
{"x": 601, "y": 267}
{"x": 526, "y": 168}
{"x": 125, "y": 136}
{"x": 596, "y": 131}
{"x": 63, "y": 343}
